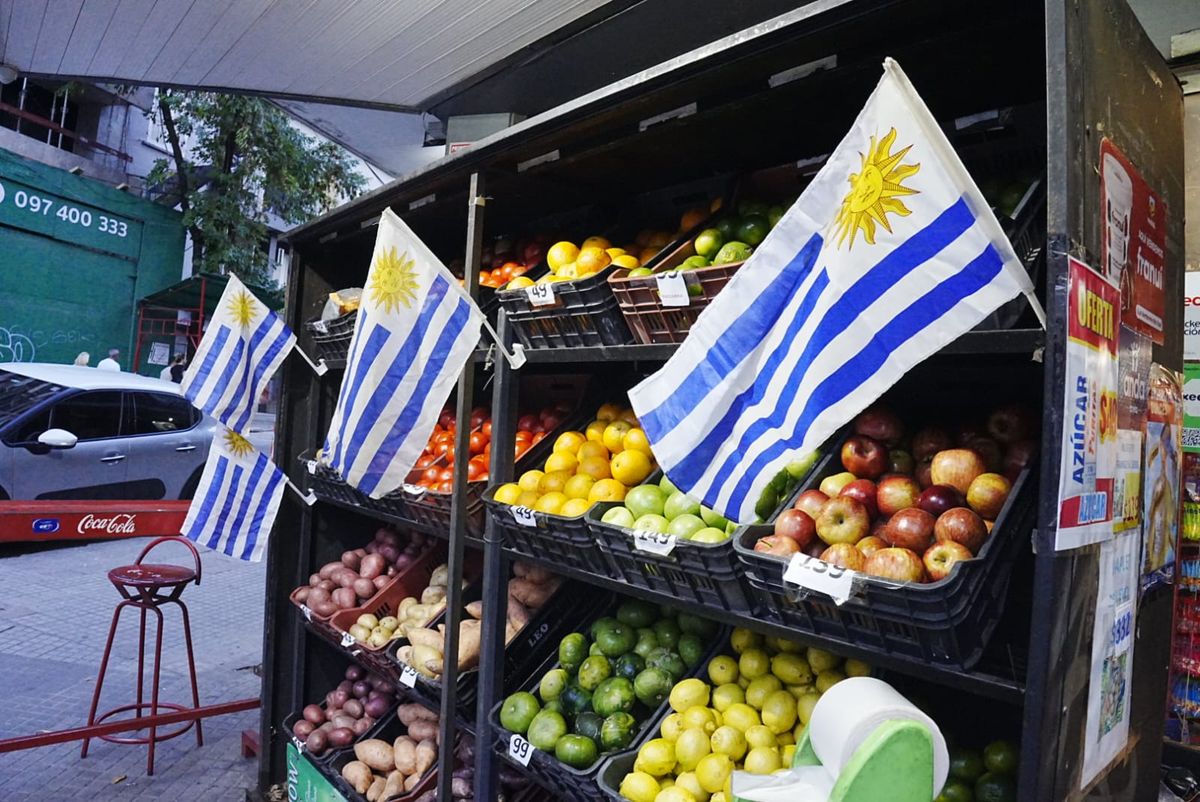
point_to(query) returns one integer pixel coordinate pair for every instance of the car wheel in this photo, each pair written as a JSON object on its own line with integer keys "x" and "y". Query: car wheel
{"x": 189, "y": 487}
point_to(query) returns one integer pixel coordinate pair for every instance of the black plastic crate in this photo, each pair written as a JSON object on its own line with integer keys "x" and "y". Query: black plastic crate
{"x": 555, "y": 539}
{"x": 332, "y": 337}
{"x": 329, "y": 754}
{"x": 612, "y": 771}
{"x": 585, "y": 312}
{"x": 948, "y": 622}
{"x": 392, "y": 729}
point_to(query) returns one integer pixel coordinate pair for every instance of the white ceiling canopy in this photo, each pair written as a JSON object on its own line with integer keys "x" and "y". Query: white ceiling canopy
{"x": 395, "y": 54}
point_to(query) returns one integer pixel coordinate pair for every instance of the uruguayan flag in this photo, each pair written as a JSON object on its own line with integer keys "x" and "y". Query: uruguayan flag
{"x": 415, "y": 330}
{"x": 237, "y": 499}
{"x": 243, "y": 347}
{"x": 888, "y": 255}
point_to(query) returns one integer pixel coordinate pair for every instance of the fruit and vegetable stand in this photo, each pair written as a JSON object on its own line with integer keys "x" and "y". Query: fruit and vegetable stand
{"x": 549, "y": 558}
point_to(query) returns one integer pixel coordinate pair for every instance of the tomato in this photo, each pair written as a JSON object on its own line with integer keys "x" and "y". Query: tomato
{"x": 537, "y": 438}
{"x": 446, "y": 475}
{"x": 478, "y": 442}
{"x": 487, "y": 429}
{"x": 424, "y": 461}
{"x": 478, "y": 416}
{"x": 524, "y": 435}
{"x": 450, "y": 453}
{"x": 445, "y": 487}
{"x": 520, "y": 449}
{"x": 474, "y": 471}
{"x": 526, "y": 423}
{"x": 446, "y": 419}
{"x": 431, "y": 475}
{"x": 441, "y": 448}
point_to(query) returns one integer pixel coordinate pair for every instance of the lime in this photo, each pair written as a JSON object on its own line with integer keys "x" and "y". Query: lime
{"x": 709, "y": 534}
{"x": 727, "y": 226}
{"x": 667, "y": 660}
{"x": 601, "y": 623}
{"x": 594, "y": 650}
{"x": 753, "y": 229}
{"x": 820, "y": 660}
{"x": 640, "y": 271}
{"x": 697, "y": 717}
{"x": 687, "y": 782}
{"x": 613, "y": 695}
{"x": 754, "y": 663}
{"x": 827, "y": 679}
{"x": 690, "y": 746}
{"x": 577, "y": 751}
{"x": 518, "y": 712}
{"x": 775, "y": 214}
{"x": 656, "y": 757}
{"x": 966, "y": 764}
{"x": 728, "y": 694}
{"x": 708, "y": 242}
{"x": 696, "y": 625}
{"x": 650, "y": 523}
{"x": 618, "y": 516}
{"x": 652, "y": 686}
{"x": 713, "y": 770}
{"x": 722, "y": 669}
{"x": 749, "y": 206}
{"x": 617, "y": 731}
{"x": 645, "y": 500}
{"x": 1000, "y": 757}
{"x": 805, "y": 705}
{"x": 729, "y": 740}
{"x": 713, "y": 518}
{"x": 733, "y": 252}
{"x": 691, "y": 649}
{"x": 671, "y": 727}
{"x": 760, "y": 688}
{"x": 628, "y": 665}
{"x": 792, "y": 669}
{"x": 588, "y": 724}
{"x": 616, "y": 640}
{"x": 638, "y": 786}
{"x": 955, "y": 791}
{"x": 552, "y": 684}
{"x": 689, "y": 693}
{"x": 760, "y": 736}
{"x": 741, "y": 716}
{"x": 762, "y": 760}
{"x": 545, "y": 730}
{"x": 692, "y": 262}
{"x": 667, "y": 632}
{"x": 594, "y": 670}
{"x": 684, "y": 526}
{"x": 743, "y": 639}
{"x": 993, "y": 787}
{"x": 681, "y": 504}
{"x": 779, "y": 712}
{"x": 647, "y": 642}
{"x": 572, "y": 650}
{"x": 634, "y": 613}
{"x": 575, "y": 700}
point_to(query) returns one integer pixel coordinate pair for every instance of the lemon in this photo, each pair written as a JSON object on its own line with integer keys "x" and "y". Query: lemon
{"x": 595, "y": 431}
{"x": 743, "y": 682}
{"x": 519, "y": 283}
{"x": 729, "y": 741}
{"x": 638, "y": 786}
{"x": 579, "y": 486}
{"x": 828, "y": 678}
{"x": 606, "y": 490}
{"x": 592, "y": 448}
{"x": 508, "y": 493}
{"x": 614, "y": 436}
{"x": 805, "y": 705}
{"x": 689, "y": 693}
{"x": 688, "y": 782}
{"x": 671, "y": 727}
{"x": 631, "y": 467}
{"x": 712, "y": 771}
{"x": 743, "y": 639}
{"x": 635, "y": 440}
{"x": 553, "y": 482}
{"x": 760, "y": 735}
{"x": 630, "y": 417}
{"x": 821, "y": 660}
{"x": 785, "y": 739}
{"x": 530, "y": 480}
{"x": 673, "y": 794}
{"x": 690, "y": 746}
{"x": 784, "y": 645}
{"x": 574, "y": 507}
{"x": 596, "y": 467}
{"x": 614, "y": 252}
{"x": 787, "y": 754}
{"x": 753, "y": 663}
{"x": 656, "y": 757}
{"x": 551, "y": 503}
{"x": 561, "y": 253}
{"x": 759, "y": 689}
{"x": 702, "y": 718}
{"x": 779, "y": 711}
{"x": 798, "y": 733}
{"x": 792, "y": 669}
{"x": 722, "y": 670}
{"x": 856, "y": 668}
{"x": 528, "y": 498}
{"x": 719, "y": 796}
{"x": 569, "y": 441}
{"x": 561, "y": 461}
{"x": 592, "y": 259}
{"x": 596, "y": 242}
{"x": 728, "y": 694}
{"x": 800, "y": 690}
{"x": 741, "y": 716}
{"x": 626, "y": 260}
{"x": 763, "y": 760}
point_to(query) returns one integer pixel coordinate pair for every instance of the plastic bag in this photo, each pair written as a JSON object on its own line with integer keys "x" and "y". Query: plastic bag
{"x": 341, "y": 302}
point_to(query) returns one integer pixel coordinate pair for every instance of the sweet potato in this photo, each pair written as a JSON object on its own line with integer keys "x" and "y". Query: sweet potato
{"x": 423, "y": 731}
{"x": 517, "y": 613}
{"x": 420, "y": 636}
{"x": 359, "y": 775}
{"x": 538, "y": 575}
{"x": 374, "y": 792}
{"x": 405, "y": 749}
{"x": 475, "y": 609}
{"x": 416, "y": 712}
{"x": 426, "y": 755}
{"x": 394, "y": 785}
{"x": 469, "y": 633}
{"x": 411, "y": 781}
{"x": 528, "y": 593}
{"x": 376, "y": 753}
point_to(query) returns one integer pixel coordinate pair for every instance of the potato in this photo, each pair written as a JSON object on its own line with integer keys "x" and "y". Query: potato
{"x": 314, "y": 713}
{"x": 419, "y": 636}
{"x": 302, "y": 594}
{"x": 376, "y": 789}
{"x": 426, "y": 755}
{"x": 317, "y": 595}
{"x": 372, "y": 566}
{"x": 362, "y": 725}
{"x": 344, "y": 598}
{"x": 345, "y": 578}
{"x": 324, "y": 608}
{"x": 327, "y": 585}
{"x": 341, "y": 736}
{"x": 468, "y": 643}
{"x": 528, "y": 593}
{"x": 316, "y": 742}
{"x": 380, "y": 581}
{"x": 423, "y": 731}
{"x": 416, "y": 712}
{"x": 303, "y": 728}
{"x": 315, "y": 579}
{"x": 440, "y": 575}
{"x": 328, "y": 568}
{"x": 405, "y": 604}
{"x": 394, "y": 785}
{"x": 378, "y": 639}
{"x": 376, "y": 753}
{"x": 517, "y": 613}
{"x": 343, "y": 720}
{"x": 475, "y": 609}
{"x": 389, "y": 623}
{"x": 411, "y": 782}
{"x": 358, "y": 774}
{"x": 427, "y": 661}
{"x": 353, "y": 708}
{"x": 404, "y": 749}
{"x": 351, "y": 560}
{"x": 364, "y": 588}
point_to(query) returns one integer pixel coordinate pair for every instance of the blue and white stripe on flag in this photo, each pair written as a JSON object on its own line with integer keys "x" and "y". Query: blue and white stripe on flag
{"x": 887, "y": 256}
{"x": 236, "y": 501}
{"x": 243, "y": 346}
{"x": 415, "y": 330}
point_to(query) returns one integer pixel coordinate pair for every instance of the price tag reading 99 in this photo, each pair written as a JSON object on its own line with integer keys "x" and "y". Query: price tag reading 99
{"x": 520, "y": 750}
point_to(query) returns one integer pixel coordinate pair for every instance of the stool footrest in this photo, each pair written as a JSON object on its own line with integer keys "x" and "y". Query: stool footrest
{"x": 158, "y": 736}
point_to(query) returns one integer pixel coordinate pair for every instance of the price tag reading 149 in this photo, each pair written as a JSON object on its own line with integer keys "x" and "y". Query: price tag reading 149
{"x": 653, "y": 542}
{"x": 813, "y": 574}
{"x": 540, "y": 294}
{"x": 520, "y": 750}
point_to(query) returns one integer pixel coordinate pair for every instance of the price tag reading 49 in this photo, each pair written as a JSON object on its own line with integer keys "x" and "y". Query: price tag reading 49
{"x": 523, "y": 516}
{"x": 520, "y": 750}
{"x": 813, "y": 574}
{"x": 540, "y": 294}
{"x": 654, "y": 542}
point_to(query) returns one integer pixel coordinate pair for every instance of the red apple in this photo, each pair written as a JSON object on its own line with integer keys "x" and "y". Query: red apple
{"x": 968, "y": 431}
{"x": 777, "y": 546}
{"x": 864, "y": 492}
{"x": 962, "y": 526}
{"x": 527, "y": 423}
{"x": 942, "y": 556}
{"x": 956, "y": 467}
{"x": 870, "y": 545}
{"x": 797, "y": 525}
{"x": 844, "y": 555}
{"x": 877, "y": 527}
{"x": 895, "y": 563}
{"x": 864, "y": 457}
{"x": 910, "y": 528}
{"x": 924, "y": 472}
{"x": 987, "y": 494}
{"x": 815, "y": 549}
{"x": 811, "y": 501}
{"x": 1011, "y": 423}
{"x": 936, "y": 499}
{"x": 987, "y": 448}
{"x": 880, "y": 423}
{"x": 895, "y": 493}
{"x": 1017, "y": 456}
{"x": 900, "y": 461}
{"x": 832, "y": 485}
{"x": 928, "y": 442}
{"x": 844, "y": 520}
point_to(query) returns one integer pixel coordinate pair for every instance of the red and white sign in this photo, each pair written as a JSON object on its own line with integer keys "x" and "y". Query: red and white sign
{"x": 1133, "y": 242}
{"x": 124, "y": 523}
{"x": 29, "y": 521}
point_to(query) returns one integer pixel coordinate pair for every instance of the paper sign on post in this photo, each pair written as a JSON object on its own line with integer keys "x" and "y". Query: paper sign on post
{"x": 540, "y": 294}
{"x": 520, "y": 750}
{"x": 811, "y": 573}
{"x": 654, "y": 542}
{"x": 672, "y": 289}
{"x": 523, "y": 516}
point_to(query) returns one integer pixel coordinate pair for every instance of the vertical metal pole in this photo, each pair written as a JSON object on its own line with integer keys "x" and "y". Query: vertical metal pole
{"x": 491, "y": 650}
{"x": 53, "y": 108}
{"x": 458, "y": 511}
{"x": 21, "y": 101}
{"x": 62, "y": 123}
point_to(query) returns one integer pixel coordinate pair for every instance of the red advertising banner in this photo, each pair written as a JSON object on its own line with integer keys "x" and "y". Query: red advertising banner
{"x": 1133, "y": 238}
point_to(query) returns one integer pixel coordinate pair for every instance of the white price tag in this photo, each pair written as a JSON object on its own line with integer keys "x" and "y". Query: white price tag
{"x": 654, "y": 542}
{"x": 408, "y": 676}
{"x": 540, "y": 294}
{"x": 672, "y": 289}
{"x": 520, "y": 750}
{"x": 523, "y": 516}
{"x": 312, "y": 466}
{"x": 347, "y": 640}
{"x": 299, "y": 744}
{"x": 813, "y": 574}
{"x": 320, "y": 326}
{"x": 306, "y": 612}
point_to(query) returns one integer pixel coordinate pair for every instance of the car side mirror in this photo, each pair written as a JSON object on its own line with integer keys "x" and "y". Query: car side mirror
{"x": 57, "y": 438}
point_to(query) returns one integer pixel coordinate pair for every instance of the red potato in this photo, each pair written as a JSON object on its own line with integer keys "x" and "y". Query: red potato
{"x": 351, "y": 560}
{"x": 315, "y": 579}
{"x": 303, "y": 728}
{"x": 302, "y": 594}
{"x": 344, "y": 598}
{"x": 372, "y": 566}
{"x": 324, "y": 608}
{"x": 328, "y": 568}
{"x": 364, "y": 588}
{"x": 380, "y": 581}
{"x": 327, "y": 584}
{"x": 346, "y": 578}
{"x": 314, "y": 714}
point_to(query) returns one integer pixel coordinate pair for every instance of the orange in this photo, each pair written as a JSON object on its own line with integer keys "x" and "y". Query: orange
{"x": 561, "y": 253}
{"x": 528, "y": 498}
{"x": 643, "y": 238}
{"x": 631, "y": 467}
{"x": 647, "y": 254}
{"x": 659, "y": 239}
{"x": 508, "y": 494}
{"x": 592, "y": 260}
{"x": 530, "y": 480}
{"x": 614, "y": 252}
{"x": 596, "y": 242}
{"x": 562, "y": 461}
{"x": 608, "y": 412}
{"x": 567, "y": 272}
{"x": 574, "y": 507}
{"x": 592, "y": 449}
{"x": 614, "y": 436}
{"x": 692, "y": 218}
{"x": 595, "y": 431}
{"x": 570, "y": 441}
{"x": 607, "y": 490}
{"x": 635, "y": 440}
{"x": 596, "y": 467}
{"x": 551, "y": 503}
{"x": 578, "y": 486}
{"x": 553, "y": 482}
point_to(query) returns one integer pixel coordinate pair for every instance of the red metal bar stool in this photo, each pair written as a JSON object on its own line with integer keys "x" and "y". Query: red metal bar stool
{"x": 148, "y": 587}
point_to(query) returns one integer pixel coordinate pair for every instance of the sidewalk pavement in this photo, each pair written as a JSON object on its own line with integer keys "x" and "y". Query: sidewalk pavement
{"x": 54, "y": 618}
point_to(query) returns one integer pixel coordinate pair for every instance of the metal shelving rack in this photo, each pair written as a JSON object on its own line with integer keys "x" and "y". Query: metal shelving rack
{"x": 1086, "y": 67}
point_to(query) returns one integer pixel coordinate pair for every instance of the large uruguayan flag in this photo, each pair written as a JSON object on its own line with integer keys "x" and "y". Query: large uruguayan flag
{"x": 237, "y": 499}
{"x": 888, "y": 255}
{"x": 415, "y": 330}
{"x": 244, "y": 345}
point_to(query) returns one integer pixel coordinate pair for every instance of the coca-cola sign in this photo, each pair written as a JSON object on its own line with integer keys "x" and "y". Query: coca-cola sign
{"x": 123, "y": 523}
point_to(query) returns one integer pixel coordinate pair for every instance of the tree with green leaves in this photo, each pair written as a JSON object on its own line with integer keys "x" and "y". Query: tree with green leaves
{"x": 232, "y": 158}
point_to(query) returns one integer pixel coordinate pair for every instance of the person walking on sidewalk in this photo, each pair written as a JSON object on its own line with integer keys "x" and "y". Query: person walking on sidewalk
{"x": 177, "y": 368}
{"x": 110, "y": 362}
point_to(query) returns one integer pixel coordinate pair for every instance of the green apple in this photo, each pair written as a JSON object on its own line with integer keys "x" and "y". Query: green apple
{"x": 666, "y": 486}
{"x": 713, "y": 518}
{"x": 680, "y": 504}
{"x": 684, "y": 526}
{"x": 645, "y": 500}
{"x": 619, "y": 516}
{"x": 651, "y": 523}
{"x": 709, "y": 535}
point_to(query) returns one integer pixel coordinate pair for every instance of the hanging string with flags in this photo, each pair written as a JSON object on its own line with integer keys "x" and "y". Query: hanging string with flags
{"x": 888, "y": 255}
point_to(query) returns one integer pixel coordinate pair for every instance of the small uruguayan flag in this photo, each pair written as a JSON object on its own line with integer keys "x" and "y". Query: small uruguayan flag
{"x": 244, "y": 345}
{"x": 888, "y": 255}
{"x": 237, "y": 499}
{"x": 415, "y": 330}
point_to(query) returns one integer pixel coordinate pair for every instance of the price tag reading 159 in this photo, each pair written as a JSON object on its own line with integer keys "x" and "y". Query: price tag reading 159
{"x": 813, "y": 574}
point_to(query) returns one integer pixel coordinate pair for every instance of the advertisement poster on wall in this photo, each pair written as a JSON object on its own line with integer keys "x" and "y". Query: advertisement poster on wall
{"x": 1133, "y": 365}
{"x": 1191, "y": 407}
{"x": 1191, "y": 315}
{"x": 1133, "y": 240}
{"x": 1160, "y": 496}
{"x": 1089, "y": 445}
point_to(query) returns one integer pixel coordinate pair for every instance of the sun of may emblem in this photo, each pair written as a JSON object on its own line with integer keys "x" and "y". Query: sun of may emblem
{"x": 393, "y": 280}
{"x": 875, "y": 191}
{"x": 236, "y": 444}
{"x": 243, "y": 308}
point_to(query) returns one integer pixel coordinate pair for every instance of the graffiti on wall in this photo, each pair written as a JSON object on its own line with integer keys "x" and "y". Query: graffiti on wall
{"x": 20, "y": 345}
